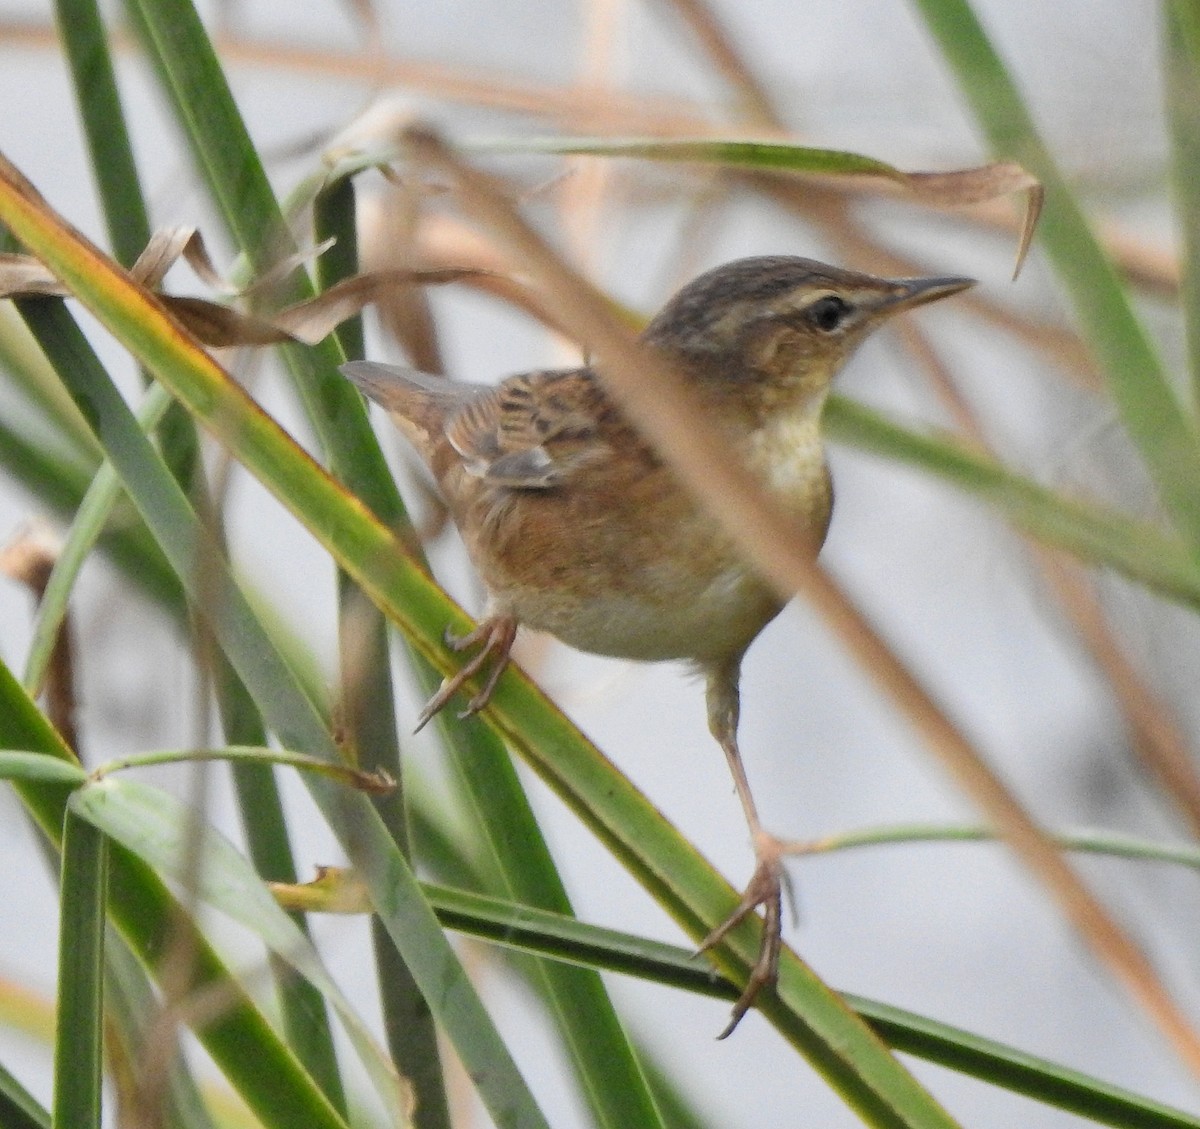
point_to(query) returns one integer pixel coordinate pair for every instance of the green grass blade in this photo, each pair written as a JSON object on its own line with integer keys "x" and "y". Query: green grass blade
{"x": 1181, "y": 69}
{"x": 239, "y": 1039}
{"x": 609, "y": 1073}
{"x": 304, "y": 1016}
{"x": 369, "y": 718}
{"x": 79, "y": 1039}
{"x": 18, "y": 1108}
{"x": 564, "y": 938}
{"x": 260, "y": 755}
{"x": 27, "y": 371}
{"x": 608, "y": 1070}
{"x": 199, "y": 95}
{"x": 295, "y": 718}
{"x": 835, "y": 1042}
{"x": 90, "y": 520}
{"x": 1088, "y": 842}
{"x": 82, "y": 33}
{"x": 1100, "y": 536}
{"x": 451, "y": 859}
{"x": 155, "y": 827}
{"x": 335, "y": 216}
{"x": 1164, "y": 433}
{"x": 20, "y": 765}
{"x": 738, "y": 154}
{"x": 1022, "y": 1073}
{"x": 179, "y": 48}
{"x": 57, "y": 481}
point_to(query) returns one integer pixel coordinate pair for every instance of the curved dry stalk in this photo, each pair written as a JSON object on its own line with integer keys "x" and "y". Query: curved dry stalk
{"x": 755, "y": 101}
{"x": 581, "y": 108}
{"x": 588, "y": 185}
{"x": 1158, "y": 737}
{"x": 388, "y": 223}
{"x": 1155, "y": 731}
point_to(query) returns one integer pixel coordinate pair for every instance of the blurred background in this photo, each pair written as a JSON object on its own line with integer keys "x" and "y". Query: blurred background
{"x": 957, "y": 932}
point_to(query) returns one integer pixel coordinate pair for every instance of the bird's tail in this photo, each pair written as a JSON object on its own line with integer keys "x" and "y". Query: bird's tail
{"x": 418, "y": 402}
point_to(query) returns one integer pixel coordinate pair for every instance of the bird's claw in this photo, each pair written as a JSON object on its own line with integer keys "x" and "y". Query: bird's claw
{"x": 766, "y": 889}
{"x": 494, "y": 637}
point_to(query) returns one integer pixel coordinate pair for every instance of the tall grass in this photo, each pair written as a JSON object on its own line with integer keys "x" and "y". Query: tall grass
{"x": 135, "y": 871}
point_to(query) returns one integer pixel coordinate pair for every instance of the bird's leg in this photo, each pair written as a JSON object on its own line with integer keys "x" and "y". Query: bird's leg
{"x": 494, "y": 638}
{"x": 767, "y": 883}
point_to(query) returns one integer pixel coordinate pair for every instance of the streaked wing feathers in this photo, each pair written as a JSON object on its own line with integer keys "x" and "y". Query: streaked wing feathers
{"x": 533, "y": 431}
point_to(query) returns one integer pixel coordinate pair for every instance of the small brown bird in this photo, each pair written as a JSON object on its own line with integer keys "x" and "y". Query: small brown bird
{"x": 577, "y": 527}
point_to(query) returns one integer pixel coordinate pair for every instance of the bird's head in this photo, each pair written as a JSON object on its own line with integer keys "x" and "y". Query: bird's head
{"x": 775, "y": 329}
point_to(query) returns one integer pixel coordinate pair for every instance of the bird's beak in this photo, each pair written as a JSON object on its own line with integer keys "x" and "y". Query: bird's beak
{"x": 910, "y": 292}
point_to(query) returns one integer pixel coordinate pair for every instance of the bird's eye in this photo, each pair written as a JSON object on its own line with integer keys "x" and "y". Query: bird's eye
{"x": 827, "y": 313}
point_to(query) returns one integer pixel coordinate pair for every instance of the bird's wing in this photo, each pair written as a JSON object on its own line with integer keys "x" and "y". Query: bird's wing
{"x": 534, "y": 431}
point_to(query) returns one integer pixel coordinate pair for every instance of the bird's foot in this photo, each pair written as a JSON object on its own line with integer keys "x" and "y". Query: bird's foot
{"x": 494, "y": 638}
{"x": 766, "y": 889}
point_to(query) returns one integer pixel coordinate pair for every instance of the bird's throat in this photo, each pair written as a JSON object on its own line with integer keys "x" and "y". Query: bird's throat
{"x": 787, "y": 454}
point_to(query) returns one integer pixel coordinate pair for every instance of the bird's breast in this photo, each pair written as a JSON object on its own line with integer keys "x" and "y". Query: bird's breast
{"x": 672, "y": 612}
{"x": 630, "y": 565}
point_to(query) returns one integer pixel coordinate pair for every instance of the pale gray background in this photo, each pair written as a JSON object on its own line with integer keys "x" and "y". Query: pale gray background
{"x": 958, "y": 933}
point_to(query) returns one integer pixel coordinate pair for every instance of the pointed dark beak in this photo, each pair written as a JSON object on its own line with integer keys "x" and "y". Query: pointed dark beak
{"x": 912, "y": 292}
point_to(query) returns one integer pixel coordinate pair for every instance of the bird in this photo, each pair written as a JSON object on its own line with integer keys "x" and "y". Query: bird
{"x": 578, "y": 527}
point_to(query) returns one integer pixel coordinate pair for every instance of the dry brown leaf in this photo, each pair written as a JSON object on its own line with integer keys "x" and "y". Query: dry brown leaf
{"x": 164, "y": 251}
{"x": 310, "y": 321}
{"x": 388, "y": 223}
{"x": 275, "y": 274}
{"x": 30, "y": 555}
{"x": 976, "y": 186}
{"x": 307, "y": 322}
{"x": 219, "y": 325}
{"x": 22, "y": 276}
